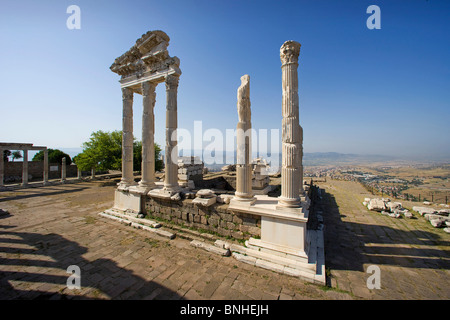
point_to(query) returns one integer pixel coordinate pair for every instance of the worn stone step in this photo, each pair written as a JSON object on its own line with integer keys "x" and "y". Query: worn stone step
{"x": 260, "y": 255}
{"x": 270, "y": 265}
{"x": 147, "y": 222}
{"x": 158, "y": 231}
{"x": 211, "y": 248}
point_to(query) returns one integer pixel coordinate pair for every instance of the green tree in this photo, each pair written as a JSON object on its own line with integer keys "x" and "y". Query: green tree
{"x": 103, "y": 151}
{"x": 6, "y": 154}
{"x": 16, "y": 155}
{"x": 54, "y": 156}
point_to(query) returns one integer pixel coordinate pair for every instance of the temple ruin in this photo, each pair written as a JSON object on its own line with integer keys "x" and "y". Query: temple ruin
{"x": 274, "y": 228}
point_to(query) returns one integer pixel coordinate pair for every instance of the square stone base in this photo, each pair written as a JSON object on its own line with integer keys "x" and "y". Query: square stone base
{"x": 287, "y": 235}
{"x": 129, "y": 201}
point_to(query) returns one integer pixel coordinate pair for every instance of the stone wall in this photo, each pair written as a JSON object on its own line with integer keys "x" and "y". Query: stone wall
{"x": 215, "y": 218}
{"x": 13, "y": 170}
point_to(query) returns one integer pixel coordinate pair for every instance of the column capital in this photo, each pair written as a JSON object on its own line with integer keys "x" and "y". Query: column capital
{"x": 148, "y": 88}
{"x": 127, "y": 94}
{"x": 289, "y": 52}
{"x": 171, "y": 82}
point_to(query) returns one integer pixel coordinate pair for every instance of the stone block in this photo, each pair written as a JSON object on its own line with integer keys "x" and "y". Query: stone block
{"x": 237, "y": 219}
{"x": 224, "y": 232}
{"x": 231, "y": 225}
{"x": 213, "y": 221}
{"x": 255, "y": 231}
{"x": 237, "y": 234}
{"x": 202, "y": 211}
{"x": 177, "y": 213}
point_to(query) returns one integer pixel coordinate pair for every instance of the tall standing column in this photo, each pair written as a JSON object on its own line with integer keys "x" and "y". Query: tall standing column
{"x": 63, "y": 169}
{"x": 171, "y": 150}
{"x": 292, "y": 133}
{"x": 45, "y": 178}
{"x": 148, "y": 132}
{"x": 25, "y": 168}
{"x": 127, "y": 138}
{"x": 244, "y": 126}
{"x": 2, "y": 169}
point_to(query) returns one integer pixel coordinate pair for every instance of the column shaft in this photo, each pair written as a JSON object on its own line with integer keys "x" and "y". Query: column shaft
{"x": 63, "y": 169}
{"x": 25, "y": 168}
{"x": 171, "y": 150}
{"x": 127, "y": 138}
{"x": 148, "y": 132}
{"x": 2, "y": 169}
{"x": 45, "y": 175}
{"x": 243, "y": 166}
{"x": 292, "y": 134}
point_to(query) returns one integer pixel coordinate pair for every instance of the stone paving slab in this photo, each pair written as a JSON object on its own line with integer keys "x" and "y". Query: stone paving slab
{"x": 50, "y": 228}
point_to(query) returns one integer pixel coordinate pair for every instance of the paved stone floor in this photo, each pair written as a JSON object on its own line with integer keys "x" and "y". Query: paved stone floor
{"x": 51, "y": 228}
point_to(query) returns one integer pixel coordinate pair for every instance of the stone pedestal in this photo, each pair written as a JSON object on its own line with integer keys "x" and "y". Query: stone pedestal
{"x": 129, "y": 200}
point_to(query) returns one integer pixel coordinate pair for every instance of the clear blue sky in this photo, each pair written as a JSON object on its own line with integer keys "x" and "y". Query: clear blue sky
{"x": 362, "y": 91}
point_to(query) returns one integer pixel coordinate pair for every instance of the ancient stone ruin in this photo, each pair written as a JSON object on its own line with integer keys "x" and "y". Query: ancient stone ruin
{"x": 274, "y": 228}
{"x": 25, "y": 147}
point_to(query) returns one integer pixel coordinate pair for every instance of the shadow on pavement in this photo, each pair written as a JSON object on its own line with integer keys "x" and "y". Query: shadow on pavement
{"x": 44, "y": 258}
{"x": 350, "y": 245}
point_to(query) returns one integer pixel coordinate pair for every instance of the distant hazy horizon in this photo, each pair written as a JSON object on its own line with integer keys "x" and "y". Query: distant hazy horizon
{"x": 308, "y": 157}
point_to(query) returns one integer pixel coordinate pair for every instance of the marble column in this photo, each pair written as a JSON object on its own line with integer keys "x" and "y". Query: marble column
{"x": 244, "y": 126}
{"x": 2, "y": 169}
{"x": 171, "y": 150}
{"x": 25, "y": 168}
{"x": 63, "y": 169}
{"x": 148, "y": 132}
{"x": 45, "y": 175}
{"x": 127, "y": 138}
{"x": 292, "y": 133}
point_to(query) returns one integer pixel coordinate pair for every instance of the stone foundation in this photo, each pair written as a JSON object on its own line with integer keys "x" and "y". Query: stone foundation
{"x": 215, "y": 218}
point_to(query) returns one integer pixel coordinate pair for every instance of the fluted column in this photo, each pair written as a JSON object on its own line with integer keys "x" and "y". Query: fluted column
{"x": 171, "y": 150}
{"x": 244, "y": 126}
{"x": 127, "y": 138}
{"x": 292, "y": 133}
{"x": 148, "y": 132}
{"x": 25, "y": 168}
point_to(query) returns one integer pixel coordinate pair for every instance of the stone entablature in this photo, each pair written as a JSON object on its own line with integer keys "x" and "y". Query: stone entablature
{"x": 147, "y": 60}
